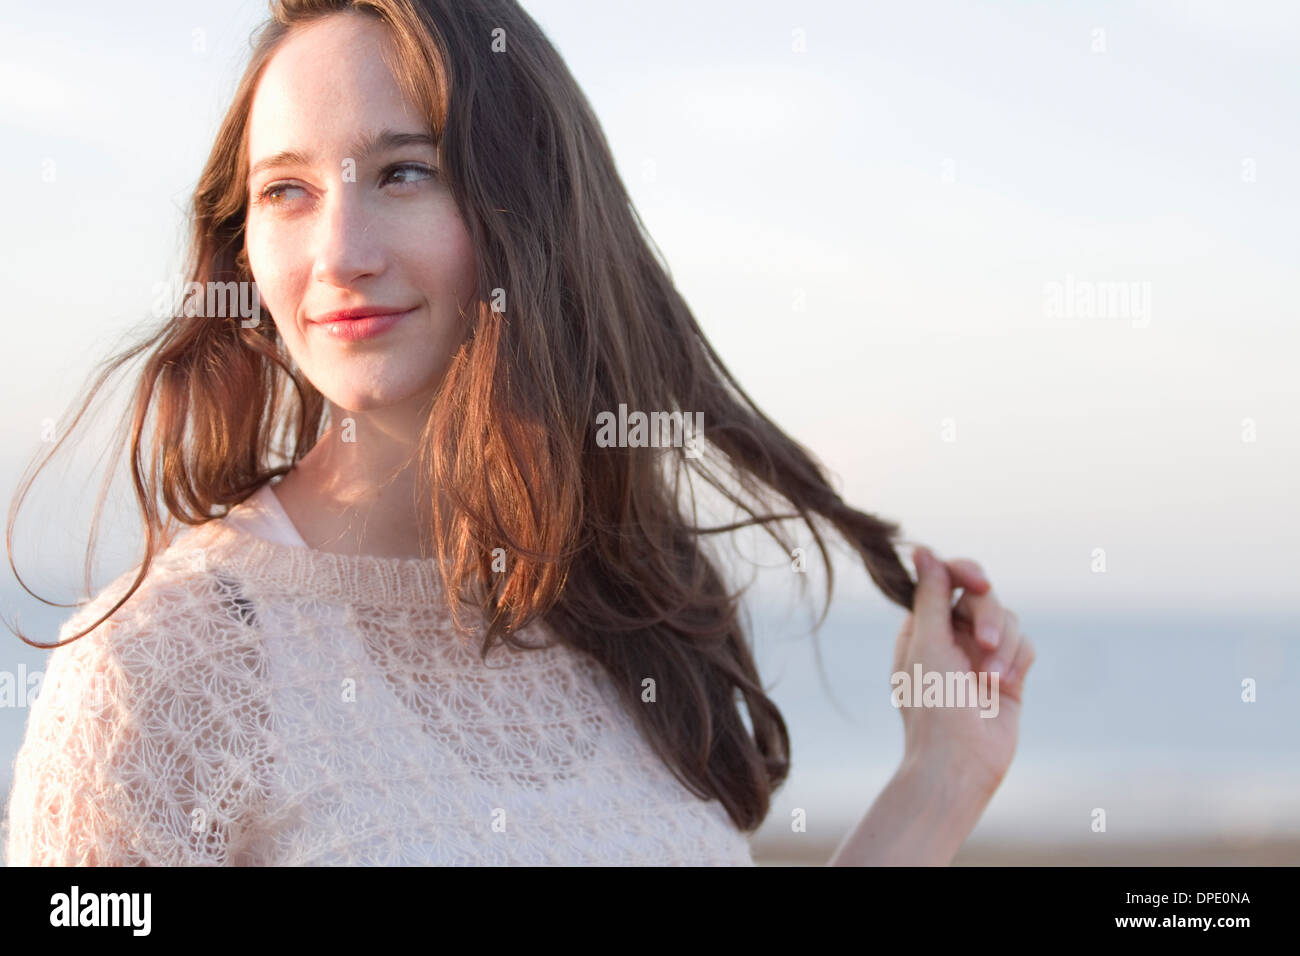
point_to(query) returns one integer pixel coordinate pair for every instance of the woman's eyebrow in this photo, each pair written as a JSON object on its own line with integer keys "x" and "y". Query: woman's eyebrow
{"x": 367, "y": 145}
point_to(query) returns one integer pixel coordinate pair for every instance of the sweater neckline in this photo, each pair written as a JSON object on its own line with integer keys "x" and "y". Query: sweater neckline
{"x": 277, "y": 568}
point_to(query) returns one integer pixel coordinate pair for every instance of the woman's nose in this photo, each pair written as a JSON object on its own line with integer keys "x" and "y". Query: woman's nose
{"x": 348, "y": 243}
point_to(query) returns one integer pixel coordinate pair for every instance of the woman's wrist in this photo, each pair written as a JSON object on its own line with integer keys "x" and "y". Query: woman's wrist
{"x": 921, "y": 818}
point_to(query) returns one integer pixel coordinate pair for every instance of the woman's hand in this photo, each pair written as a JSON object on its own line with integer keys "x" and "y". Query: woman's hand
{"x": 953, "y": 758}
{"x": 976, "y": 634}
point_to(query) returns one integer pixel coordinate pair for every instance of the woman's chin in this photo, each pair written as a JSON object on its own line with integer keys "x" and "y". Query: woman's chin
{"x": 362, "y": 403}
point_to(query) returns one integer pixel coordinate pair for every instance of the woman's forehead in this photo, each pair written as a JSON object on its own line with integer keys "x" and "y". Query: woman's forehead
{"x": 330, "y": 82}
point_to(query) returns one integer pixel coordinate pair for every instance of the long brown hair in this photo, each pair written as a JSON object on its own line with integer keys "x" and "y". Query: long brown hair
{"x": 598, "y": 539}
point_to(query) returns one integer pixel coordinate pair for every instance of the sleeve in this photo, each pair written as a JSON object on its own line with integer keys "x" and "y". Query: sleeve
{"x": 129, "y": 756}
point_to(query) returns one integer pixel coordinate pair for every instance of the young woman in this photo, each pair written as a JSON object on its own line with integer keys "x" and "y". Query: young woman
{"x": 418, "y": 612}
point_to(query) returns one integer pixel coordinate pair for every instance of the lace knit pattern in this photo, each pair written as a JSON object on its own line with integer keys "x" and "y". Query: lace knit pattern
{"x": 261, "y": 704}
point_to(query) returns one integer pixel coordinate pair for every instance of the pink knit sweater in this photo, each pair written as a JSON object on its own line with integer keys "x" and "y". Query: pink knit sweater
{"x": 258, "y": 702}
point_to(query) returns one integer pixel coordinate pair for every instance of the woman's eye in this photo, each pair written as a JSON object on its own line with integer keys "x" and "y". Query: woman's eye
{"x": 273, "y": 194}
{"x": 409, "y": 173}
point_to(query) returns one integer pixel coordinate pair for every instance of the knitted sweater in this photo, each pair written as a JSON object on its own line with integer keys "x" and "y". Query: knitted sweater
{"x": 258, "y": 702}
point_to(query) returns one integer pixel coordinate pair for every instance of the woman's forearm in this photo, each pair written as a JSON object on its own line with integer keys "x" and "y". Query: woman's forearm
{"x": 921, "y": 818}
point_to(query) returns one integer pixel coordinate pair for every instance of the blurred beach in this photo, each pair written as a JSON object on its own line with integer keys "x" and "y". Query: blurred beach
{"x": 1135, "y": 712}
{"x": 1191, "y": 852}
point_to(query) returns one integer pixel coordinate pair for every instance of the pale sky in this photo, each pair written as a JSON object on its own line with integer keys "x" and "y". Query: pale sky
{"x": 916, "y": 176}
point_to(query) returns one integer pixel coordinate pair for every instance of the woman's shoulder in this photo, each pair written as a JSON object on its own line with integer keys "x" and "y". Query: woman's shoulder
{"x": 135, "y": 718}
{"x": 178, "y": 613}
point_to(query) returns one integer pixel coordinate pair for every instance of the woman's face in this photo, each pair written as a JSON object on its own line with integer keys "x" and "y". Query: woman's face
{"x": 347, "y": 212}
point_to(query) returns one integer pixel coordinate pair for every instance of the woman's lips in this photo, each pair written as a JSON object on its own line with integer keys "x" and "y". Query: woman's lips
{"x": 362, "y": 327}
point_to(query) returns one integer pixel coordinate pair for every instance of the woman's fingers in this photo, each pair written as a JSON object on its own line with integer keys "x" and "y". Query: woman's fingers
{"x": 984, "y": 615}
{"x": 964, "y": 572}
{"x": 969, "y": 575}
{"x": 979, "y": 612}
{"x": 1024, "y": 658}
{"x": 1009, "y": 646}
{"x": 982, "y": 627}
{"x": 977, "y": 608}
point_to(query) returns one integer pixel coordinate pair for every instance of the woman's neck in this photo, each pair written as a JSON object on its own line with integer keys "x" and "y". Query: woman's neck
{"x": 354, "y": 493}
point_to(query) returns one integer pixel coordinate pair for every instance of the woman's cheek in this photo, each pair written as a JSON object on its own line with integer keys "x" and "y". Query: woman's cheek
{"x": 463, "y": 276}
{"x": 268, "y": 276}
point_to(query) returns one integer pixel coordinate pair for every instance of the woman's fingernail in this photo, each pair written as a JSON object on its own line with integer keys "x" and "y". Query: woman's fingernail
{"x": 990, "y": 634}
